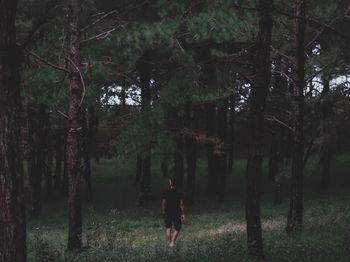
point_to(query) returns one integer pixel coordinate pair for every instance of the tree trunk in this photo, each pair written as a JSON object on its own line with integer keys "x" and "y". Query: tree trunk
{"x": 259, "y": 90}
{"x": 165, "y": 166}
{"x": 231, "y": 135}
{"x": 75, "y": 132}
{"x": 48, "y": 153}
{"x": 192, "y": 116}
{"x": 89, "y": 133}
{"x": 179, "y": 167}
{"x": 295, "y": 214}
{"x": 145, "y": 80}
{"x": 138, "y": 168}
{"x": 273, "y": 159}
{"x": 65, "y": 166}
{"x": 326, "y": 132}
{"x": 35, "y": 155}
{"x": 58, "y": 157}
{"x": 12, "y": 208}
{"x": 212, "y": 178}
{"x": 221, "y": 157}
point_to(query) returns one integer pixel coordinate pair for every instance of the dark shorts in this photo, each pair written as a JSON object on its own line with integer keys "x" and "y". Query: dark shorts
{"x": 173, "y": 220}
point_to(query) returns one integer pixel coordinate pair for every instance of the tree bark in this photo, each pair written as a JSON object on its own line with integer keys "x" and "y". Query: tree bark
{"x": 34, "y": 173}
{"x": 138, "y": 169}
{"x": 145, "y": 80}
{"x": 89, "y": 130}
{"x": 179, "y": 166}
{"x": 210, "y": 122}
{"x": 326, "y": 132}
{"x": 12, "y": 208}
{"x": 191, "y": 121}
{"x": 58, "y": 157}
{"x": 222, "y": 157}
{"x": 75, "y": 132}
{"x": 65, "y": 165}
{"x": 259, "y": 89}
{"x": 48, "y": 152}
{"x": 273, "y": 159}
{"x": 231, "y": 135}
{"x": 295, "y": 214}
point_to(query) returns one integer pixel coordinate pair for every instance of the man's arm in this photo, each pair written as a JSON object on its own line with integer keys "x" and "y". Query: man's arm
{"x": 162, "y": 207}
{"x": 182, "y": 207}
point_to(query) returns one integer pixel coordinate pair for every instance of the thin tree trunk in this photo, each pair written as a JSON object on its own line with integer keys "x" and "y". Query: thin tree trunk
{"x": 326, "y": 151}
{"x": 12, "y": 208}
{"x": 212, "y": 178}
{"x": 75, "y": 132}
{"x": 179, "y": 166}
{"x": 273, "y": 159}
{"x": 222, "y": 158}
{"x": 256, "y": 128}
{"x": 165, "y": 166}
{"x": 35, "y": 157}
{"x": 48, "y": 153}
{"x": 58, "y": 157}
{"x": 145, "y": 81}
{"x": 231, "y": 135}
{"x": 65, "y": 166}
{"x": 138, "y": 168}
{"x": 88, "y": 138}
{"x": 191, "y": 154}
{"x": 295, "y": 214}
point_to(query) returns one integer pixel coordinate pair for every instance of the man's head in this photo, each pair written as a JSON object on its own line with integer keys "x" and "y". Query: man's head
{"x": 172, "y": 182}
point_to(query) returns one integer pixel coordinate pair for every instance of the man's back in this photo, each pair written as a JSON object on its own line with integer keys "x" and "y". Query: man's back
{"x": 172, "y": 198}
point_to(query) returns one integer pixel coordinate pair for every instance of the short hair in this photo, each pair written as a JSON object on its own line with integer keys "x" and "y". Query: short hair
{"x": 173, "y": 181}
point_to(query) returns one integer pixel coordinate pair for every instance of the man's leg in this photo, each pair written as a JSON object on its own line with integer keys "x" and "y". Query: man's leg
{"x": 174, "y": 236}
{"x": 167, "y": 223}
{"x": 177, "y": 226}
{"x": 168, "y": 234}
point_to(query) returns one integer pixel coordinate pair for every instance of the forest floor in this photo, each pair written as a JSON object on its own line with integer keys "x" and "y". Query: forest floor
{"x": 115, "y": 229}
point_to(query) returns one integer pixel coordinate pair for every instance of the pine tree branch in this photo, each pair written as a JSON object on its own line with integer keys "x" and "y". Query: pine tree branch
{"x": 44, "y": 61}
{"x": 100, "y": 36}
{"x": 275, "y": 119}
{"x": 316, "y": 22}
{"x": 77, "y": 69}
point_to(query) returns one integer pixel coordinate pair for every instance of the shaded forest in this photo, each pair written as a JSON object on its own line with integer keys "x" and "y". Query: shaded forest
{"x": 245, "y": 103}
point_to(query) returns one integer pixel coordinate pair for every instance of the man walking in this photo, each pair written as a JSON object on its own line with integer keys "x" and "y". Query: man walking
{"x": 173, "y": 211}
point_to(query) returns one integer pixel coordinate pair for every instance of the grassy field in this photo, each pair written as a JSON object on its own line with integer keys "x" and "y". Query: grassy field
{"x": 115, "y": 229}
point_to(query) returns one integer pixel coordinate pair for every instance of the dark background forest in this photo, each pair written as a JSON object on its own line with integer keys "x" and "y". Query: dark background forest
{"x": 246, "y": 103}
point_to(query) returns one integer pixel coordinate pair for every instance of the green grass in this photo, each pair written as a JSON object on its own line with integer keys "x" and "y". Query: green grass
{"x": 116, "y": 230}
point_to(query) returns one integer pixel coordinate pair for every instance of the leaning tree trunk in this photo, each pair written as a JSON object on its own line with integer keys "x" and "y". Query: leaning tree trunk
{"x": 75, "y": 132}
{"x": 295, "y": 214}
{"x": 12, "y": 210}
{"x": 260, "y": 85}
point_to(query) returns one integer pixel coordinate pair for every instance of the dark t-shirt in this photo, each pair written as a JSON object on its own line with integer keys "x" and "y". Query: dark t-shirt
{"x": 172, "y": 201}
